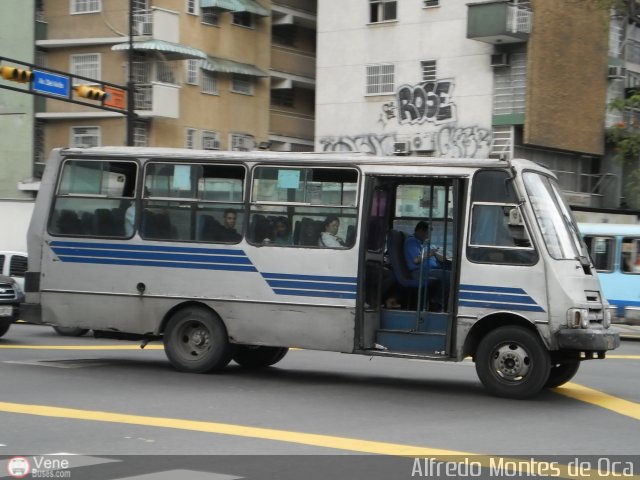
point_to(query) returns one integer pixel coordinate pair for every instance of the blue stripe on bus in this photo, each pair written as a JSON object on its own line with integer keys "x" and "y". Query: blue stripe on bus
{"x": 500, "y": 306}
{"x": 148, "y": 248}
{"x": 498, "y": 297}
{"x": 123, "y": 254}
{"x": 311, "y": 293}
{"x": 312, "y": 278}
{"x": 148, "y": 263}
{"x": 489, "y": 288}
{"x": 341, "y": 287}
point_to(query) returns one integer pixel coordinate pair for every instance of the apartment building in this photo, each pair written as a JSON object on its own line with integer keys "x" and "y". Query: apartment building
{"x": 457, "y": 79}
{"x": 206, "y": 74}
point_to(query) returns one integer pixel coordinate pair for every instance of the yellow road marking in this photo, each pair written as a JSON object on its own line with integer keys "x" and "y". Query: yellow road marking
{"x": 601, "y": 399}
{"x": 625, "y": 357}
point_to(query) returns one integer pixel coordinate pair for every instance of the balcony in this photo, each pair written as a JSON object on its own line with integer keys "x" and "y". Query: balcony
{"x": 499, "y": 22}
{"x": 157, "y": 89}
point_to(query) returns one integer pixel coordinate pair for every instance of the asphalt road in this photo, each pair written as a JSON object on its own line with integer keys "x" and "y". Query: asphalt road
{"x": 103, "y": 399}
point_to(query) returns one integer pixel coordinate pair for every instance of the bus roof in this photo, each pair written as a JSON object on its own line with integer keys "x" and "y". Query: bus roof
{"x": 292, "y": 157}
{"x": 609, "y": 229}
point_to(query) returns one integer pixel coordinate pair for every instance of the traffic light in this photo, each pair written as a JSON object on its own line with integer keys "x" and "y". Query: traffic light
{"x": 91, "y": 93}
{"x": 16, "y": 74}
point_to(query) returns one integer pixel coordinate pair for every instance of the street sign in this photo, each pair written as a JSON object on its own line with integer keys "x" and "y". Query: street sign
{"x": 51, "y": 83}
{"x": 116, "y": 98}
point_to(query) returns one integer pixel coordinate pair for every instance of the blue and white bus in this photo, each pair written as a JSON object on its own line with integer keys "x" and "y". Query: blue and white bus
{"x": 615, "y": 252}
{"x": 241, "y": 255}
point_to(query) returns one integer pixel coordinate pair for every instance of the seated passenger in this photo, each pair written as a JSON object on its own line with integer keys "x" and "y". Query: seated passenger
{"x": 228, "y": 232}
{"x": 281, "y": 235}
{"x": 329, "y": 235}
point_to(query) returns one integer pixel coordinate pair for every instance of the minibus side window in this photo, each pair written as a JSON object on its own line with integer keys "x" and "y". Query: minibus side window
{"x": 193, "y": 202}
{"x": 630, "y": 261}
{"x": 290, "y": 206}
{"x": 601, "y": 250}
{"x": 92, "y": 198}
{"x": 498, "y": 233}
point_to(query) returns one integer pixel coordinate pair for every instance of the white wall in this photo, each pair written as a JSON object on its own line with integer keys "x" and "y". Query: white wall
{"x": 346, "y": 118}
{"x": 14, "y": 223}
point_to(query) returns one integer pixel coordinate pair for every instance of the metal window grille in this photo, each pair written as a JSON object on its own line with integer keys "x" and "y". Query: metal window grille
{"x": 241, "y": 142}
{"x": 210, "y": 140}
{"x": 382, "y": 10}
{"x": 38, "y": 141}
{"x": 209, "y": 83}
{"x": 431, "y": 3}
{"x": 502, "y": 145}
{"x": 192, "y": 71}
{"x": 242, "y": 84}
{"x": 142, "y": 23}
{"x": 86, "y": 65}
{"x": 210, "y": 16}
{"x": 190, "y": 138}
{"x": 141, "y": 134}
{"x": 85, "y": 136}
{"x": 510, "y": 86}
{"x": 380, "y": 79}
{"x": 41, "y": 58}
{"x": 86, "y": 6}
{"x": 191, "y": 7}
{"x": 429, "y": 73}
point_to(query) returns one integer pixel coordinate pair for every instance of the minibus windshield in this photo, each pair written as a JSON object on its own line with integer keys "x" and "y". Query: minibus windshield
{"x": 554, "y": 217}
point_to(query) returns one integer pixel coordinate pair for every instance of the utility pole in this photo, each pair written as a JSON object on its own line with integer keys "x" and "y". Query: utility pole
{"x": 131, "y": 114}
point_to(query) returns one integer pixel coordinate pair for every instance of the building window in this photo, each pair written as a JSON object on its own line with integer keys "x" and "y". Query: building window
{"x": 243, "y": 19}
{"x": 210, "y": 16}
{"x": 383, "y": 10}
{"x": 85, "y": 136}
{"x": 86, "y": 6}
{"x": 209, "y": 82}
{"x": 192, "y": 7}
{"x": 141, "y": 134}
{"x": 380, "y": 79}
{"x": 242, "y": 84}
{"x": 192, "y": 71}
{"x": 190, "y": 139}
{"x": 242, "y": 143}
{"x": 39, "y": 141}
{"x": 284, "y": 35}
{"x": 283, "y": 97}
{"x": 85, "y": 65}
{"x": 40, "y": 11}
{"x": 431, "y": 3}
{"x": 429, "y": 73}
{"x": 210, "y": 141}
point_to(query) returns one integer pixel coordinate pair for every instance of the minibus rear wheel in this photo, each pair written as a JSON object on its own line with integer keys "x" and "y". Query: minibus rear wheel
{"x": 196, "y": 341}
{"x": 512, "y": 362}
{"x": 561, "y": 373}
{"x": 70, "y": 331}
{"x": 253, "y": 356}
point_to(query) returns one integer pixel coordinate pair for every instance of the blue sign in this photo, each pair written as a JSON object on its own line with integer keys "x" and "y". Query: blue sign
{"x": 51, "y": 83}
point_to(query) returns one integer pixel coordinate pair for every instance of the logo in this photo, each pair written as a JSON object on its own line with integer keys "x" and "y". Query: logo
{"x": 18, "y": 467}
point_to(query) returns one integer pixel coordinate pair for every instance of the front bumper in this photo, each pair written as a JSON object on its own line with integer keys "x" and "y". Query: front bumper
{"x": 588, "y": 340}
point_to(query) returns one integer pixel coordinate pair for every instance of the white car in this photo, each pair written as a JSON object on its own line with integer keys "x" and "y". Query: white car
{"x": 14, "y": 265}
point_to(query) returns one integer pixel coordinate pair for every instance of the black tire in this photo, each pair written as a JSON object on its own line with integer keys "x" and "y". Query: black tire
{"x": 196, "y": 341}
{"x": 71, "y": 331}
{"x": 561, "y": 373}
{"x": 4, "y": 327}
{"x": 250, "y": 356}
{"x": 512, "y": 362}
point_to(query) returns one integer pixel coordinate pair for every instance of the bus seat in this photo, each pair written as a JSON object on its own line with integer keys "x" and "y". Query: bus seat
{"x": 310, "y": 230}
{"x": 260, "y": 228}
{"x": 68, "y": 223}
{"x": 208, "y": 227}
{"x": 351, "y": 236}
{"x": 395, "y": 246}
{"x": 103, "y": 222}
{"x": 87, "y": 222}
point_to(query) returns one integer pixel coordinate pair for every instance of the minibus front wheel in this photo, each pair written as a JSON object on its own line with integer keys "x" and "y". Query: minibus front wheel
{"x": 561, "y": 373}
{"x": 512, "y": 362}
{"x": 196, "y": 341}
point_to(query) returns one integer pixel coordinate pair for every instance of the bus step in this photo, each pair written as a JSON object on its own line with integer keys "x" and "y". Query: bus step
{"x": 406, "y": 320}
{"x": 412, "y": 341}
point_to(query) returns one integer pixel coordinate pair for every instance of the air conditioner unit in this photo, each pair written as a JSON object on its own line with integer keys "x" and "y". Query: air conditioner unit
{"x": 142, "y": 28}
{"x": 500, "y": 60}
{"x": 617, "y": 71}
{"x": 401, "y": 148}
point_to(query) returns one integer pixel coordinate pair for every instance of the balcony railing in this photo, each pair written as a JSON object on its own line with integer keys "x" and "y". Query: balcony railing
{"x": 518, "y": 19}
{"x": 143, "y": 23}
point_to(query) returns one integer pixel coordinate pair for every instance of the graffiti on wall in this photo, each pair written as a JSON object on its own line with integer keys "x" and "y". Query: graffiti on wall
{"x": 449, "y": 141}
{"x": 426, "y": 102}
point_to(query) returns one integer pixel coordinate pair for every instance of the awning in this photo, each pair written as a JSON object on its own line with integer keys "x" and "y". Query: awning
{"x": 250, "y": 6}
{"x": 171, "y": 51}
{"x": 213, "y": 64}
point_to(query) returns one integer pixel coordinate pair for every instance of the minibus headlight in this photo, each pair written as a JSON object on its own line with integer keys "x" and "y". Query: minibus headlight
{"x": 606, "y": 319}
{"x": 578, "y": 318}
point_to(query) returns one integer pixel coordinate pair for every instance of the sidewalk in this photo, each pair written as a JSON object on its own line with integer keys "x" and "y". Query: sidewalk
{"x": 628, "y": 332}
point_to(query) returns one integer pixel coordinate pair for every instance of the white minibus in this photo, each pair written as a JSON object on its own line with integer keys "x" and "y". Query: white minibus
{"x": 242, "y": 255}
